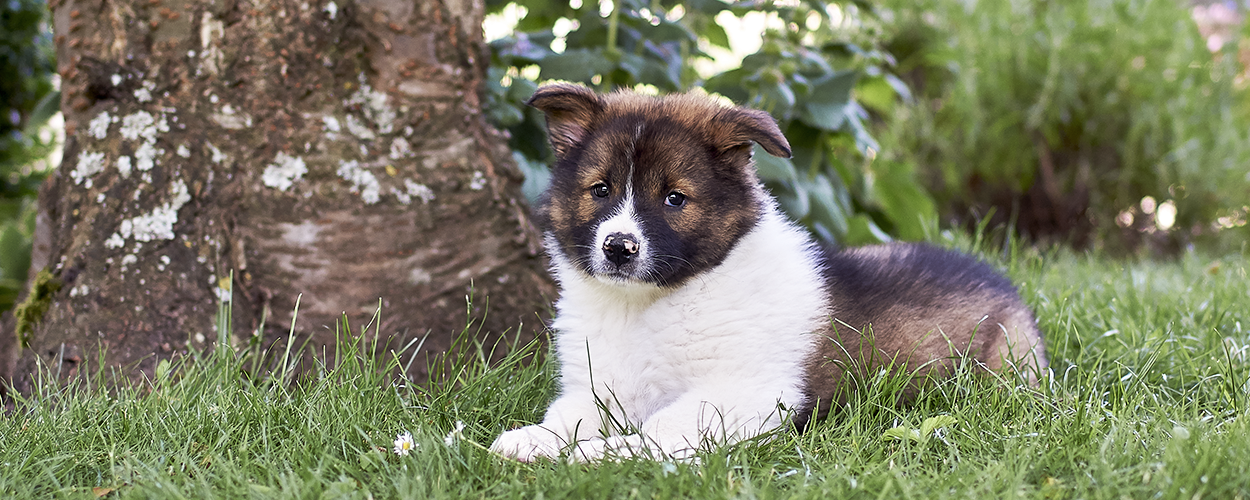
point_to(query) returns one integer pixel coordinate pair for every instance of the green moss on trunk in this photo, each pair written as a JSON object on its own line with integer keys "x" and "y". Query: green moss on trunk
{"x": 30, "y": 312}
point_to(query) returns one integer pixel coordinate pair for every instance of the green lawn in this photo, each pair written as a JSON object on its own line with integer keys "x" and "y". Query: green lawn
{"x": 1148, "y": 399}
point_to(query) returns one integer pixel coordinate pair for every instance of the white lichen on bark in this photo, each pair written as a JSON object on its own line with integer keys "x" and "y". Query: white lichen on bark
{"x": 218, "y": 156}
{"x": 331, "y": 123}
{"x": 144, "y": 93}
{"x": 157, "y": 225}
{"x": 284, "y": 171}
{"x": 358, "y": 129}
{"x": 375, "y": 107}
{"x": 400, "y": 148}
{"x": 415, "y": 189}
{"x": 210, "y": 54}
{"x": 231, "y": 119}
{"x": 98, "y": 127}
{"x": 363, "y": 181}
{"x": 123, "y": 166}
{"x": 89, "y": 164}
{"x": 142, "y": 124}
{"x": 147, "y": 155}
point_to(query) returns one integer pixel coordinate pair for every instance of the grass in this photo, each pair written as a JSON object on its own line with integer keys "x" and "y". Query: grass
{"x": 1148, "y": 399}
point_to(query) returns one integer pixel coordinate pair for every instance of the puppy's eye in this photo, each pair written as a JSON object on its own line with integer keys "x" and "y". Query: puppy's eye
{"x": 600, "y": 190}
{"x": 675, "y": 199}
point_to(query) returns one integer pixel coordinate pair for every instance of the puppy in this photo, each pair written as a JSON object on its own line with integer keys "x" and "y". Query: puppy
{"x": 693, "y": 313}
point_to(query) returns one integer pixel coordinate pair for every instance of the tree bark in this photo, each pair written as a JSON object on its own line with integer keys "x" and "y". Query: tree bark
{"x": 334, "y": 149}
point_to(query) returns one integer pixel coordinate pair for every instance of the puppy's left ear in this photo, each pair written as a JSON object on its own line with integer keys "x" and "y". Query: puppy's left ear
{"x": 571, "y": 112}
{"x": 752, "y": 125}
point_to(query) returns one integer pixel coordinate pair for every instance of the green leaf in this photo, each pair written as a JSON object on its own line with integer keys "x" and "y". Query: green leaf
{"x": 730, "y": 84}
{"x": 537, "y": 176}
{"x": 907, "y": 205}
{"x": 899, "y": 87}
{"x": 664, "y": 76}
{"x": 49, "y": 106}
{"x": 524, "y": 48}
{"x": 754, "y": 62}
{"x": 827, "y": 105}
{"x": 925, "y": 431}
{"x": 902, "y": 434}
{"x": 162, "y": 370}
{"x": 708, "y": 7}
{"x": 14, "y": 252}
{"x": 633, "y": 64}
{"x": 772, "y": 168}
{"x": 10, "y": 209}
{"x": 577, "y": 65}
{"x": 505, "y": 115}
{"x": 934, "y": 423}
{"x": 542, "y": 14}
{"x": 777, "y": 98}
{"x": 835, "y": 88}
{"x": 861, "y": 230}
{"x": 877, "y": 94}
{"x": 864, "y": 141}
{"x": 825, "y": 206}
{"x": 793, "y": 199}
{"x": 667, "y": 32}
{"x": 521, "y": 89}
{"x": 824, "y": 116}
{"x": 715, "y": 35}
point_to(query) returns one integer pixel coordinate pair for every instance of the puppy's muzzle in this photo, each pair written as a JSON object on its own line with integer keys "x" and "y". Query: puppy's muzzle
{"x": 620, "y": 248}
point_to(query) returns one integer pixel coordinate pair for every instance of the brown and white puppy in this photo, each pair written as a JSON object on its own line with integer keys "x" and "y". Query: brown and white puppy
{"x": 693, "y": 313}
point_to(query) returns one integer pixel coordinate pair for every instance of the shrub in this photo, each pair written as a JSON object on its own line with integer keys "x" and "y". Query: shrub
{"x": 1065, "y": 116}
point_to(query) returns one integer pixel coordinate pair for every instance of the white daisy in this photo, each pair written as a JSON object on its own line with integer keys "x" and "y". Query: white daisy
{"x": 404, "y": 444}
{"x": 455, "y": 434}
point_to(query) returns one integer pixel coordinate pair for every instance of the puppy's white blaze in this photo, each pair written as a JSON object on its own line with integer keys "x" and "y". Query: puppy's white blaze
{"x": 623, "y": 220}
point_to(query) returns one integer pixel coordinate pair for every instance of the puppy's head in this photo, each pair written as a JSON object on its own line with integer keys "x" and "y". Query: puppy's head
{"x": 650, "y": 190}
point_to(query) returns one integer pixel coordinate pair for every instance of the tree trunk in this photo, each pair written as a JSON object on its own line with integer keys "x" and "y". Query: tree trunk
{"x": 334, "y": 149}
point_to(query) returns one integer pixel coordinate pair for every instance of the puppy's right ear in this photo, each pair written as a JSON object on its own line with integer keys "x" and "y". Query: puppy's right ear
{"x": 570, "y": 110}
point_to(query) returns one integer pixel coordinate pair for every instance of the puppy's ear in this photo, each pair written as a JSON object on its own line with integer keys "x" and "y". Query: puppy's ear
{"x": 746, "y": 125}
{"x": 570, "y": 110}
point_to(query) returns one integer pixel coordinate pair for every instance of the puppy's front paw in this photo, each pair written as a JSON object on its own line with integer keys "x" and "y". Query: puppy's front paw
{"x": 528, "y": 443}
{"x": 630, "y": 446}
{"x": 612, "y": 448}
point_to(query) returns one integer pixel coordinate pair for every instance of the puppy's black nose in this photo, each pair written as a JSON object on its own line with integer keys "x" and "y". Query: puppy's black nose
{"x": 620, "y": 247}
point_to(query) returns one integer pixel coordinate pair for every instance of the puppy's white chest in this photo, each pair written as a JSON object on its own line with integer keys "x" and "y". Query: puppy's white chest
{"x": 639, "y": 358}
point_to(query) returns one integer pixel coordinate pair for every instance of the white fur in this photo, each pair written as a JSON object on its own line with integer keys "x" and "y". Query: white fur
{"x": 709, "y": 361}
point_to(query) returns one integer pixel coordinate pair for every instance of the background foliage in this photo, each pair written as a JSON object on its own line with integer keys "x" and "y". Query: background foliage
{"x": 1057, "y": 118}
{"x": 27, "y": 104}
{"x": 818, "y": 71}
{"x": 1064, "y": 116}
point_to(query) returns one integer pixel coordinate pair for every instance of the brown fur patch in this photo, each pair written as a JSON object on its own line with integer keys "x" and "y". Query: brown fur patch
{"x": 919, "y": 310}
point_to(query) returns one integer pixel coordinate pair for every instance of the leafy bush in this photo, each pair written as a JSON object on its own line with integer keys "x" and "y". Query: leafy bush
{"x": 815, "y": 72}
{"x": 27, "y": 103}
{"x": 1064, "y": 116}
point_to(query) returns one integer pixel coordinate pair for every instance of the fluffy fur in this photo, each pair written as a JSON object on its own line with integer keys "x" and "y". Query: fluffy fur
{"x": 692, "y": 312}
